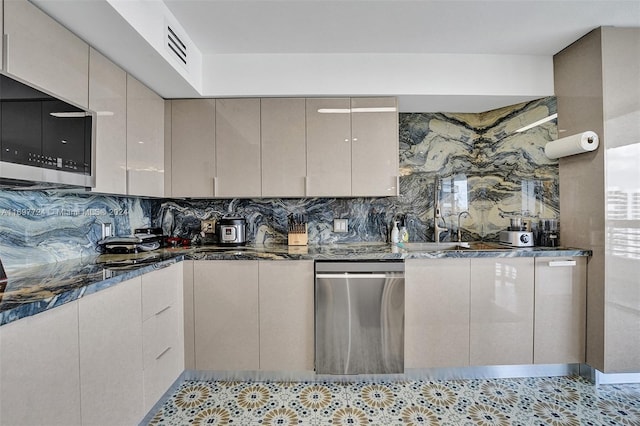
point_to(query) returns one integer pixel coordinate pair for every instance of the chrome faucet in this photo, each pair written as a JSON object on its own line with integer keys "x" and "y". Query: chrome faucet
{"x": 437, "y": 216}
{"x": 459, "y": 216}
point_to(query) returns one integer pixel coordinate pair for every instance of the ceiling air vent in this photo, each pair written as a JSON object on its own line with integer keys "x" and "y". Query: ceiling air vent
{"x": 176, "y": 46}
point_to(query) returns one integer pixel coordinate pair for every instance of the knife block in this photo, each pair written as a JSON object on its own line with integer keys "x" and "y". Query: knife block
{"x": 298, "y": 238}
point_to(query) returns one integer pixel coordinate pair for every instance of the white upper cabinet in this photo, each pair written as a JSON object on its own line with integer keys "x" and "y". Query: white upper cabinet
{"x": 238, "y": 148}
{"x": 329, "y": 147}
{"x": 108, "y": 97}
{"x": 193, "y": 144}
{"x": 283, "y": 142}
{"x": 145, "y": 140}
{"x": 374, "y": 147}
{"x": 44, "y": 53}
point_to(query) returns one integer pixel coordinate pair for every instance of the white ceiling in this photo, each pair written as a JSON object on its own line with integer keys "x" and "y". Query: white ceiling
{"x": 520, "y": 27}
{"x": 453, "y": 55}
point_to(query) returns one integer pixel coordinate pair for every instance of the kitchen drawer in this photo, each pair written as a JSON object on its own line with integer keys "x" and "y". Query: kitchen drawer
{"x": 163, "y": 352}
{"x": 159, "y": 290}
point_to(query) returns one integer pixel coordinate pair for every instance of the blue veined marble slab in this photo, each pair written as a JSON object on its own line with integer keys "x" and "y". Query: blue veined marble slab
{"x": 486, "y": 168}
{"x": 37, "y": 289}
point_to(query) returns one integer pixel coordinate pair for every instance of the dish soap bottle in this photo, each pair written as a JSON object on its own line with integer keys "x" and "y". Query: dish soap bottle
{"x": 395, "y": 233}
{"x": 404, "y": 234}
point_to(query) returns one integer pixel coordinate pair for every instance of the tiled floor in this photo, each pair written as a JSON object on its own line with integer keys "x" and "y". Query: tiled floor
{"x": 531, "y": 401}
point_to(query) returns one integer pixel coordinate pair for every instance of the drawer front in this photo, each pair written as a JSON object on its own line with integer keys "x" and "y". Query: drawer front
{"x": 159, "y": 290}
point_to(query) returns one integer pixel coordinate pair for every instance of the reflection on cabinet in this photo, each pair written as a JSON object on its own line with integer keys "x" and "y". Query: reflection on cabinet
{"x": 436, "y": 313}
{"x": 226, "y": 315}
{"x": 44, "y": 53}
{"x": 352, "y": 147}
{"x": 374, "y": 147}
{"x": 193, "y": 156}
{"x": 108, "y": 97}
{"x": 238, "y": 148}
{"x": 501, "y": 330}
{"x": 286, "y": 315}
{"x": 329, "y": 147}
{"x": 2, "y": 64}
{"x": 283, "y": 142}
{"x": 111, "y": 355}
{"x": 162, "y": 331}
{"x": 39, "y": 376}
{"x": 145, "y": 140}
{"x": 560, "y": 310}
{"x": 253, "y": 315}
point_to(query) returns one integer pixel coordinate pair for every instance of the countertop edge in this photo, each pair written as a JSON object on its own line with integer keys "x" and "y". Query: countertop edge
{"x": 98, "y": 280}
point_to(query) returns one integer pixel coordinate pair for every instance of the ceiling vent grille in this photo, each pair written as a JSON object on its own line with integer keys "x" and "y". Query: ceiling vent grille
{"x": 176, "y": 46}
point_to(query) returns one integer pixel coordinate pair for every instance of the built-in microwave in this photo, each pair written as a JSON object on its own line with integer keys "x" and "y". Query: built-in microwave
{"x": 43, "y": 140}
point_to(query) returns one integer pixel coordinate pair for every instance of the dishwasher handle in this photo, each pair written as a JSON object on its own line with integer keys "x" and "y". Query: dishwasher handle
{"x": 360, "y": 276}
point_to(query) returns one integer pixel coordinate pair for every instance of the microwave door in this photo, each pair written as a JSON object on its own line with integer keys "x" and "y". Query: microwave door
{"x": 63, "y": 135}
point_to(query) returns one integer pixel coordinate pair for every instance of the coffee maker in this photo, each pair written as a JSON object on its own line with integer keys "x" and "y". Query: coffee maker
{"x": 549, "y": 233}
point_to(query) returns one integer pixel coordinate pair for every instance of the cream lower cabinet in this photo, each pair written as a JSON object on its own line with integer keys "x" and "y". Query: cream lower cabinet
{"x": 286, "y": 300}
{"x": 436, "y": 313}
{"x": 560, "y": 310}
{"x": 501, "y": 311}
{"x": 108, "y": 97}
{"x": 226, "y": 315}
{"x": 162, "y": 331}
{"x": 253, "y": 315}
{"x": 39, "y": 380}
{"x": 44, "y": 53}
{"x": 111, "y": 355}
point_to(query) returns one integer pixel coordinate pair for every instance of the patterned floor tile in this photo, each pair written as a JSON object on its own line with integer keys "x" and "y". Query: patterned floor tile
{"x": 553, "y": 401}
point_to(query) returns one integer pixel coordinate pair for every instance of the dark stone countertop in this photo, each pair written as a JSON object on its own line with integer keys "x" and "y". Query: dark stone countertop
{"x": 30, "y": 291}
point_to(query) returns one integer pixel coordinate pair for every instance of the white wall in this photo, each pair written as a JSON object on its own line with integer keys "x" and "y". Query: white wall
{"x": 431, "y": 82}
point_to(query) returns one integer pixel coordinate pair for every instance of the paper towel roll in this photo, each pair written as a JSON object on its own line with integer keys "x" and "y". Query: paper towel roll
{"x": 576, "y": 144}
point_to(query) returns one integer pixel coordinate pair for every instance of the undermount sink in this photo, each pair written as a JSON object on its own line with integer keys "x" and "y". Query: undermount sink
{"x": 433, "y": 246}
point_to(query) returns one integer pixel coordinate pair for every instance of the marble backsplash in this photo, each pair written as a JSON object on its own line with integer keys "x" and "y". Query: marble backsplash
{"x": 39, "y": 227}
{"x": 484, "y": 166}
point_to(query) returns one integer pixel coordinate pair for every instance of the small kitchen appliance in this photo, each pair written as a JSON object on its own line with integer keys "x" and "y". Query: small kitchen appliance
{"x": 549, "y": 233}
{"x": 232, "y": 230}
{"x": 517, "y": 238}
{"x": 143, "y": 239}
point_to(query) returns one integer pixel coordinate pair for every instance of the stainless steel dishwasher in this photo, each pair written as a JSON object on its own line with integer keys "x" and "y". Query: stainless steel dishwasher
{"x": 359, "y": 309}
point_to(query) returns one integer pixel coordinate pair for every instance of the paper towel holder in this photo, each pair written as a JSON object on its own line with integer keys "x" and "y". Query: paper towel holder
{"x": 579, "y": 143}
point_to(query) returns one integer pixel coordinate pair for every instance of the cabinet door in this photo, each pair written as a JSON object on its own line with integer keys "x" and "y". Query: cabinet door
{"x": 286, "y": 315}
{"x": 374, "y": 147}
{"x": 238, "y": 148}
{"x": 162, "y": 331}
{"x": 284, "y": 152}
{"x": 39, "y": 376}
{"x": 226, "y": 315}
{"x": 111, "y": 355}
{"x": 108, "y": 97}
{"x": 145, "y": 140}
{"x": 436, "y": 313}
{"x": 193, "y": 133}
{"x": 329, "y": 147}
{"x": 501, "y": 331}
{"x": 560, "y": 310}
{"x": 44, "y": 53}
